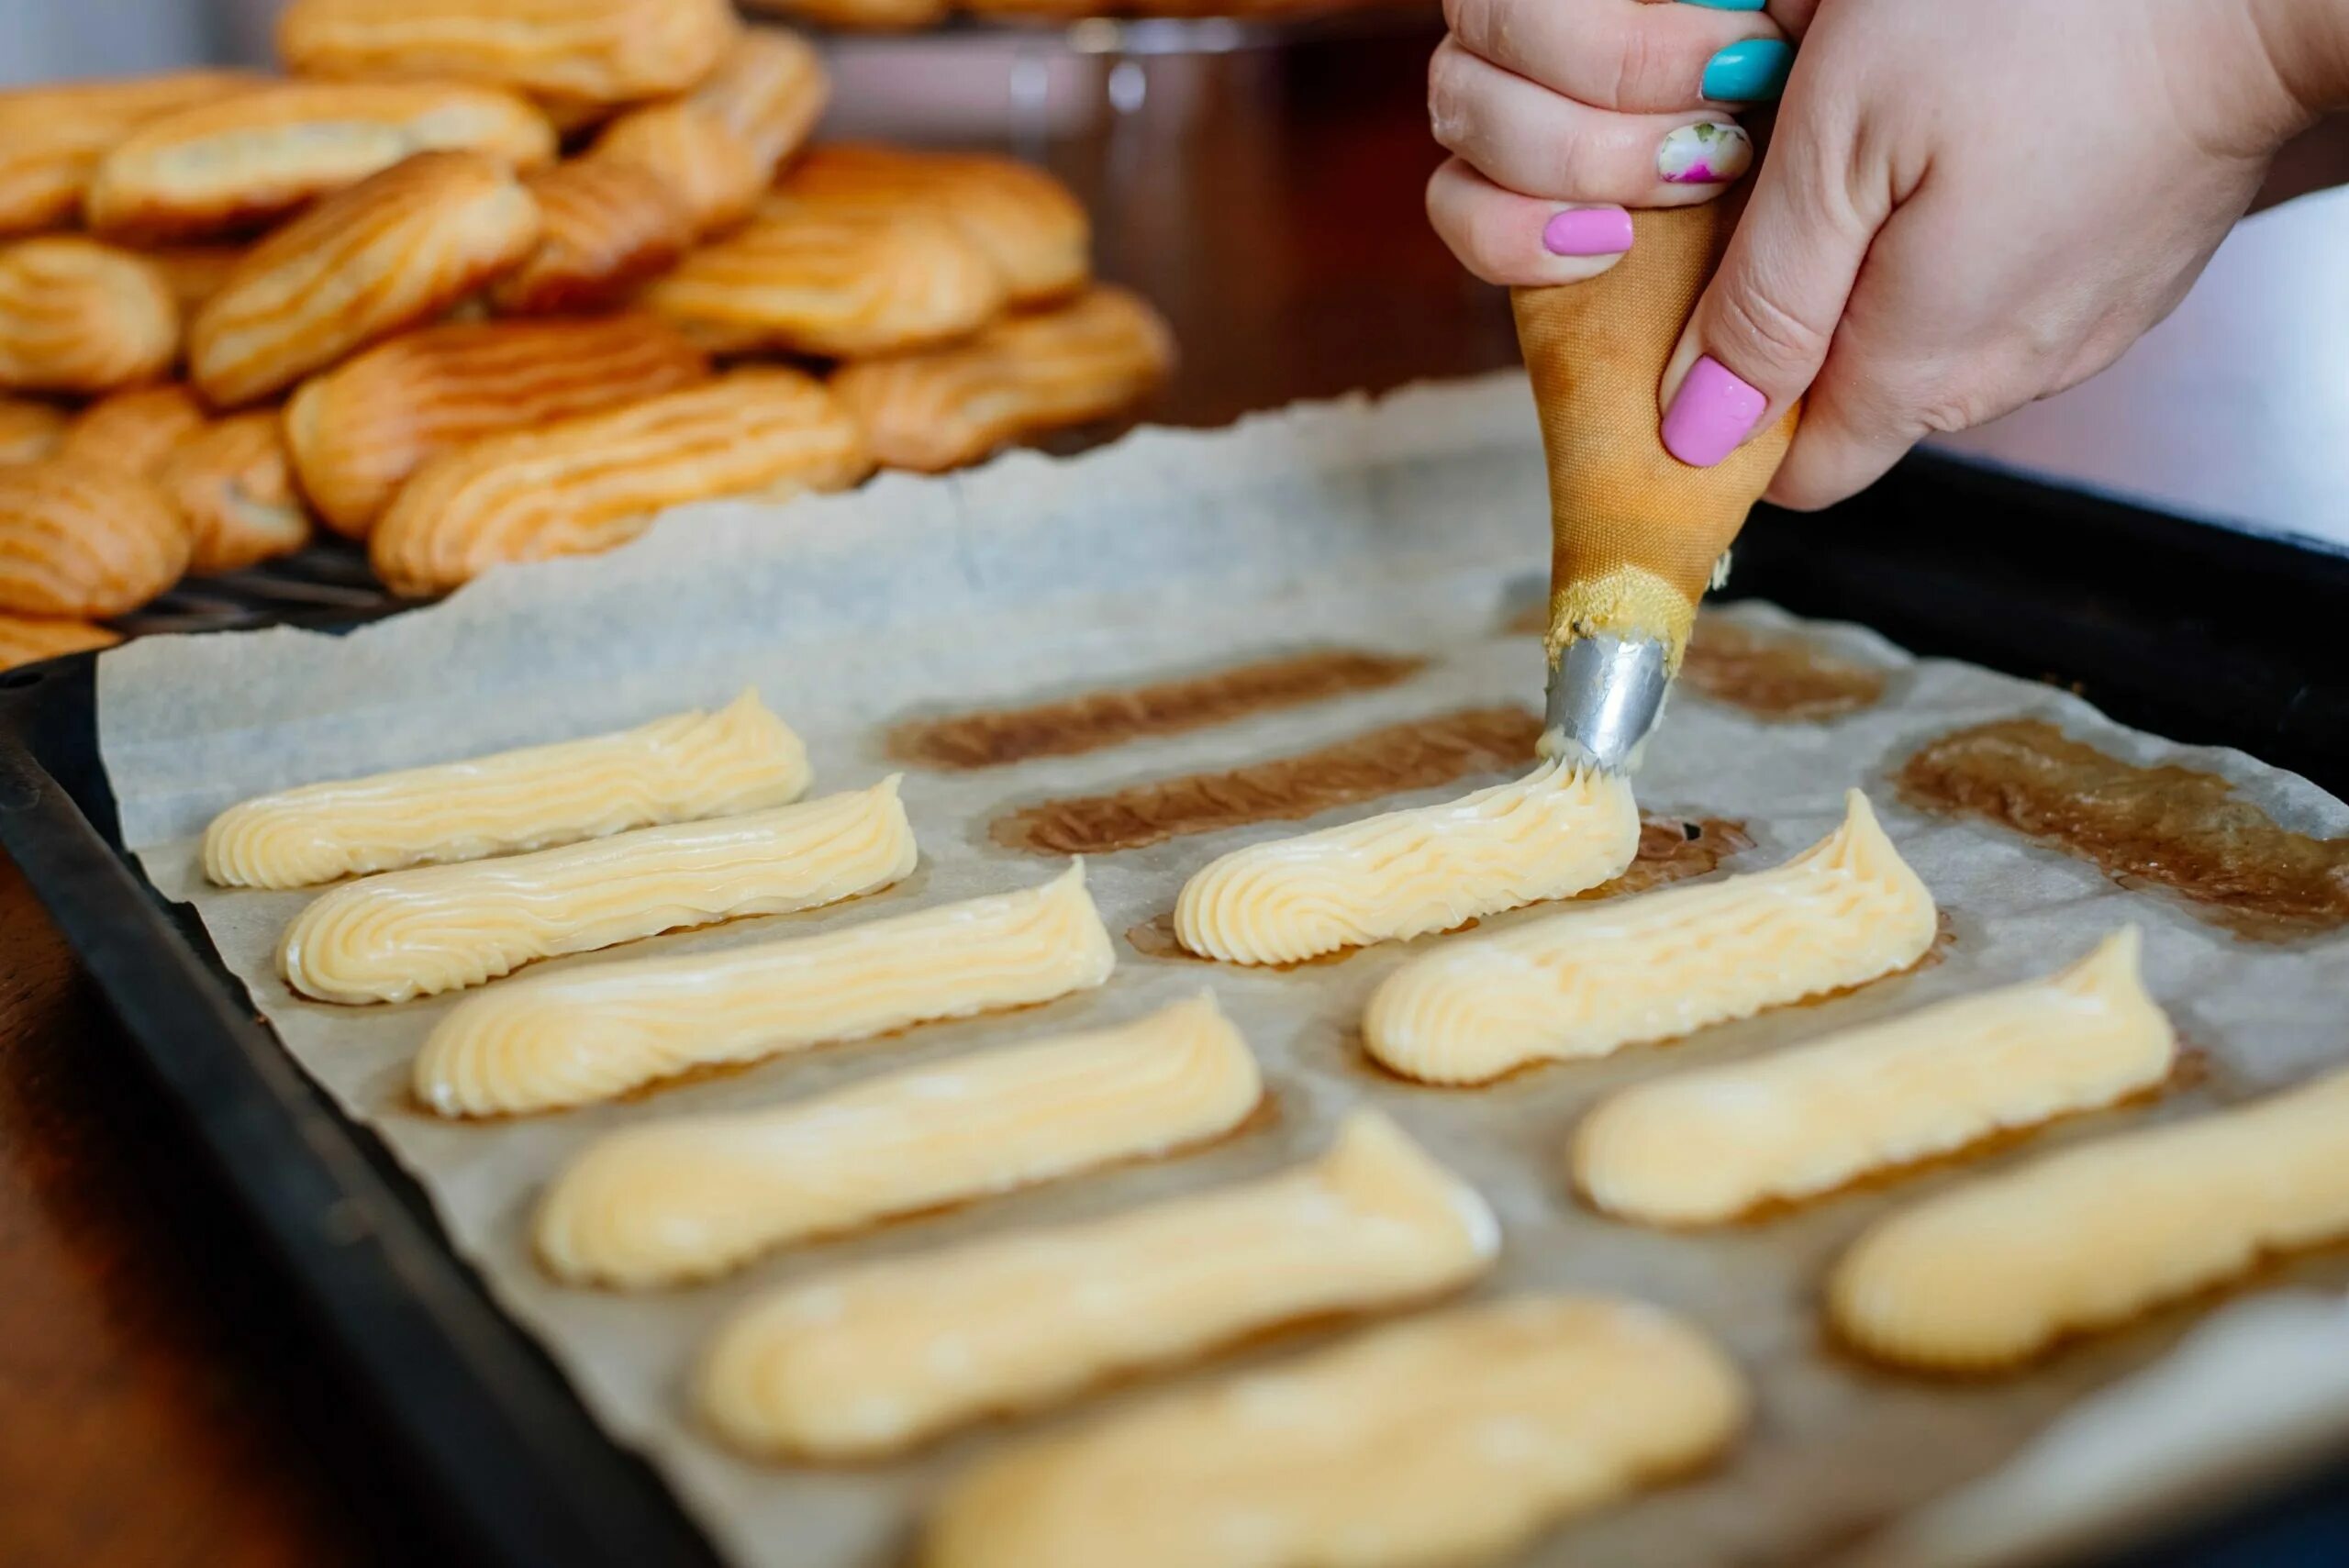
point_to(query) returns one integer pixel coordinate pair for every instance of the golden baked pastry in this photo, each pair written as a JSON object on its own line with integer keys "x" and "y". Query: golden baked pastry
{"x": 51, "y": 137}
{"x": 580, "y": 1035}
{"x": 868, "y": 1362}
{"x": 1450, "y": 1439}
{"x": 1702, "y": 1147}
{"x": 1095, "y": 357}
{"x": 77, "y": 316}
{"x": 665, "y": 1202}
{"x": 134, "y": 431}
{"x": 81, "y": 540}
{"x": 235, "y": 491}
{"x": 28, "y": 640}
{"x": 877, "y": 16}
{"x": 718, "y": 146}
{"x": 605, "y": 226}
{"x": 193, "y": 272}
{"x": 1031, "y": 226}
{"x": 833, "y": 284}
{"x": 419, "y": 933}
{"x": 395, "y": 248}
{"x": 579, "y": 52}
{"x": 258, "y": 156}
{"x": 358, "y": 430}
{"x": 29, "y": 428}
{"x": 678, "y": 769}
{"x": 595, "y": 480}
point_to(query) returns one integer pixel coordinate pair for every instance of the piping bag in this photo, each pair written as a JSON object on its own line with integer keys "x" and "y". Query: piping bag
{"x": 1636, "y": 535}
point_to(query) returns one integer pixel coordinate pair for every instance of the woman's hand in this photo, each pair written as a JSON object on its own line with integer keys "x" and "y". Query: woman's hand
{"x": 1967, "y": 203}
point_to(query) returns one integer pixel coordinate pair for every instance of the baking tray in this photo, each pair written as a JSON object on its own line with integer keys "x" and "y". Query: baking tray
{"x": 2201, "y": 634}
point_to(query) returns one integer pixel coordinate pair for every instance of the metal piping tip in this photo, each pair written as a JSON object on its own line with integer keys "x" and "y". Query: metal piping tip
{"x": 1605, "y": 695}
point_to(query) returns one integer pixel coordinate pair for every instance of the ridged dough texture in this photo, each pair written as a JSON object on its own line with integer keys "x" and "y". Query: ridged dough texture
{"x": 81, "y": 540}
{"x": 359, "y": 430}
{"x": 595, "y": 482}
{"x": 1588, "y": 981}
{"x": 1702, "y": 1147}
{"x": 1453, "y": 1438}
{"x": 234, "y": 490}
{"x": 1555, "y": 832}
{"x": 134, "y": 431}
{"x": 432, "y": 928}
{"x": 673, "y": 1201}
{"x": 51, "y": 137}
{"x": 819, "y": 282}
{"x": 392, "y": 250}
{"x": 719, "y": 145}
{"x": 575, "y": 51}
{"x": 681, "y": 768}
{"x": 1098, "y": 356}
{"x": 29, "y": 428}
{"x": 258, "y": 156}
{"x": 77, "y": 316}
{"x": 867, "y": 1362}
{"x": 27, "y": 640}
{"x": 1992, "y": 1272}
{"x": 603, "y": 228}
{"x": 588, "y": 1034}
{"x": 1031, "y": 226}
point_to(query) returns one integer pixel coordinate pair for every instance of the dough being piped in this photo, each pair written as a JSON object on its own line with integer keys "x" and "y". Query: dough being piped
{"x": 566, "y": 1039}
{"x": 1589, "y": 981}
{"x": 1994, "y": 1272}
{"x": 1557, "y": 831}
{"x": 1701, "y": 1147}
{"x": 1451, "y": 1439}
{"x": 686, "y": 1199}
{"x": 434, "y": 929}
{"x": 871, "y": 1361}
{"x": 689, "y": 766}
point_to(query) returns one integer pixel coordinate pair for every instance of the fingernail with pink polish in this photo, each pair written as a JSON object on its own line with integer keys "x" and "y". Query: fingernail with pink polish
{"x": 1707, "y": 153}
{"x": 1588, "y": 231}
{"x": 1711, "y": 415}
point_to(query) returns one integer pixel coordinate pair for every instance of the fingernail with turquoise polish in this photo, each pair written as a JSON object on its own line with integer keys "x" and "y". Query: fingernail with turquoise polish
{"x": 1728, "y": 5}
{"x": 1751, "y": 72}
{"x": 1708, "y": 153}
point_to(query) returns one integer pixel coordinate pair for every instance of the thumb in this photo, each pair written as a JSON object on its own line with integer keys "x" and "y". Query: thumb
{"x": 1761, "y": 332}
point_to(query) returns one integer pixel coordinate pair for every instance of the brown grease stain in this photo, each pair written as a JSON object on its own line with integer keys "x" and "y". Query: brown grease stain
{"x": 1776, "y": 675}
{"x": 1096, "y": 720}
{"x": 1389, "y": 761}
{"x": 2167, "y": 825}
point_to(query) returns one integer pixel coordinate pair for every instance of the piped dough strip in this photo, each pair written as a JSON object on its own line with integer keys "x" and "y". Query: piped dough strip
{"x": 434, "y": 929}
{"x": 1557, "y": 831}
{"x": 1991, "y": 1272}
{"x": 567, "y": 1039}
{"x": 1702, "y": 1147}
{"x": 689, "y": 766}
{"x": 1589, "y": 981}
{"x": 870, "y": 1362}
{"x": 683, "y": 1200}
{"x": 1452, "y": 1439}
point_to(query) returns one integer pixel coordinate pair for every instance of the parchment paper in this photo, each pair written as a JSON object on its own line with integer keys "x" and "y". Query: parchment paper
{"x": 1414, "y": 525}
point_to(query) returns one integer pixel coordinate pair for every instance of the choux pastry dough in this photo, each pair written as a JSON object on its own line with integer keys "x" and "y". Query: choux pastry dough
{"x": 235, "y": 491}
{"x": 1098, "y": 356}
{"x": 869, "y": 1362}
{"x": 134, "y": 431}
{"x": 672, "y": 1201}
{"x": 1589, "y": 981}
{"x": 389, "y": 252}
{"x": 77, "y": 316}
{"x": 29, "y": 428}
{"x": 566, "y": 1039}
{"x": 679, "y": 769}
{"x": 718, "y": 146}
{"x": 595, "y": 480}
{"x": 1555, "y": 832}
{"x": 52, "y": 138}
{"x": 1701, "y": 1147}
{"x": 79, "y": 541}
{"x": 249, "y": 159}
{"x": 359, "y": 430}
{"x": 603, "y": 228}
{"x": 1997, "y": 1270}
{"x": 1452, "y": 1439}
{"x": 27, "y": 640}
{"x": 432, "y": 928}
{"x": 1031, "y": 226}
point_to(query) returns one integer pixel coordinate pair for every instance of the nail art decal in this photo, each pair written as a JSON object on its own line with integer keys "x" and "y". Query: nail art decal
{"x": 1704, "y": 154}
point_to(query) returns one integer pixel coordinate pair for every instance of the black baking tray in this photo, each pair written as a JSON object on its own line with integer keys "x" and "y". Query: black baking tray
{"x": 2201, "y": 633}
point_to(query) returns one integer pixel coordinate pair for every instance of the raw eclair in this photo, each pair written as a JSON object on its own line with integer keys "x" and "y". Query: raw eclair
{"x": 235, "y": 491}
{"x": 81, "y": 316}
{"x": 52, "y": 138}
{"x": 80, "y": 540}
{"x": 1031, "y": 226}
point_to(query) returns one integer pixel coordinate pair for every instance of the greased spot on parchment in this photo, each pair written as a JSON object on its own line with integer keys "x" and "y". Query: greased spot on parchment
{"x": 1390, "y": 761}
{"x": 1095, "y": 721}
{"x": 2169, "y": 826}
{"x": 1775, "y": 674}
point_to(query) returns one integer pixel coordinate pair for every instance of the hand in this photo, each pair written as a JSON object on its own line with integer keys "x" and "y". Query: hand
{"x": 1967, "y": 204}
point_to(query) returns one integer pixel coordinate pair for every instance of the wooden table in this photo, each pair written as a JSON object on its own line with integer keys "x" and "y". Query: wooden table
{"x": 160, "y": 1404}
